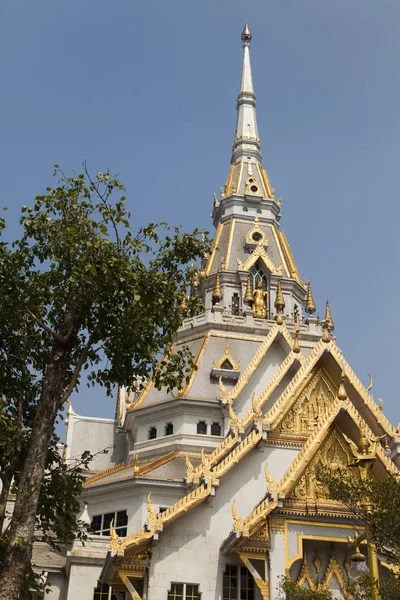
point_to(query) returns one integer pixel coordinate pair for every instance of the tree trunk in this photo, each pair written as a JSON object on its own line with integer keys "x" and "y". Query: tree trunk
{"x": 22, "y": 529}
{"x": 5, "y": 490}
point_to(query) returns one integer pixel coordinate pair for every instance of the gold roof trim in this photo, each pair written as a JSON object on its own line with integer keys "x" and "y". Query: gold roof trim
{"x": 259, "y": 252}
{"x": 226, "y": 356}
{"x": 228, "y": 182}
{"x": 294, "y": 272}
{"x": 199, "y": 356}
{"x": 104, "y": 473}
{"x": 270, "y": 193}
{"x": 229, "y": 245}
{"x": 214, "y": 248}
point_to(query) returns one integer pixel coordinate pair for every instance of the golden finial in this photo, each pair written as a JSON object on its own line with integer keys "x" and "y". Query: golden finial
{"x": 310, "y": 305}
{"x": 237, "y": 520}
{"x": 232, "y": 415}
{"x": 342, "y": 394}
{"x": 183, "y": 304}
{"x": 151, "y": 512}
{"x": 279, "y": 303}
{"x": 369, "y": 388}
{"x": 271, "y": 485}
{"x": 115, "y": 542}
{"x": 223, "y": 392}
{"x": 136, "y": 466}
{"x": 328, "y": 317}
{"x": 189, "y": 467}
{"x": 217, "y": 293}
{"x": 296, "y": 345}
{"x": 347, "y": 564}
{"x": 248, "y": 297}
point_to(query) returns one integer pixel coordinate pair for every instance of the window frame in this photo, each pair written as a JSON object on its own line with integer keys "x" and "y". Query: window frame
{"x": 242, "y": 576}
{"x": 183, "y": 596}
{"x": 118, "y": 528}
{"x": 167, "y": 426}
{"x": 205, "y": 425}
{"x": 219, "y": 428}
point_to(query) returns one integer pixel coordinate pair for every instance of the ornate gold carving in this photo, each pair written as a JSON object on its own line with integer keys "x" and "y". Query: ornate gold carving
{"x": 237, "y": 520}
{"x": 277, "y": 524}
{"x": 279, "y": 303}
{"x": 296, "y": 345}
{"x": 115, "y": 542}
{"x": 190, "y": 471}
{"x": 248, "y": 297}
{"x": 312, "y": 406}
{"x": 256, "y": 235}
{"x": 271, "y": 485}
{"x": 334, "y": 454}
{"x": 136, "y": 466}
{"x": 256, "y": 410}
{"x": 342, "y": 394}
{"x": 317, "y": 563}
{"x": 217, "y": 293}
{"x": 305, "y": 575}
{"x": 223, "y": 392}
{"x": 205, "y": 465}
{"x": 227, "y": 356}
{"x": 232, "y": 415}
{"x": 104, "y": 473}
{"x": 333, "y": 570}
{"x": 328, "y": 317}
{"x": 151, "y": 513}
{"x": 260, "y": 301}
{"x": 364, "y": 458}
{"x": 259, "y": 252}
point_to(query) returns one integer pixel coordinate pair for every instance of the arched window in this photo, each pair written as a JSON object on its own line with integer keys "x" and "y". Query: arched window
{"x": 215, "y": 429}
{"x": 202, "y": 427}
{"x": 169, "y": 429}
{"x": 257, "y": 274}
{"x": 152, "y": 433}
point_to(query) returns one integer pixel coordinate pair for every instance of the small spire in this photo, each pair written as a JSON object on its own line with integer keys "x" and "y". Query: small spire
{"x": 310, "y": 305}
{"x": 248, "y": 297}
{"x": 217, "y": 293}
{"x": 328, "y": 318}
{"x": 246, "y": 34}
{"x": 279, "y": 303}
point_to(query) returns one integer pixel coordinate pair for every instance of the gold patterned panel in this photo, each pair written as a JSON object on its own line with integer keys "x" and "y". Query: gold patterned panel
{"x": 259, "y": 252}
{"x": 334, "y": 570}
{"x": 305, "y": 575}
{"x": 335, "y": 453}
{"x": 313, "y": 405}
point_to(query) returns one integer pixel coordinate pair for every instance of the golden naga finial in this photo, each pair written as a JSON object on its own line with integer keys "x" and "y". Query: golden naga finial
{"x": 232, "y": 415}
{"x": 257, "y": 412}
{"x": 205, "y": 465}
{"x": 296, "y": 345}
{"x": 370, "y": 382}
{"x": 328, "y": 318}
{"x": 151, "y": 512}
{"x": 115, "y": 542}
{"x": 136, "y": 466}
{"x": 238, "y": 525}
{"x": 216, "y": 201}
{"x": 279, "y": 303}
{"x": 271, "y": 485}
{"x": 223, "y": 392}
{"x": 189, "y": 468}
{"x": 310, "y": 305}
{"x": 217, "y": 293}
{"x": 342, "y": 394}
{"x": 248, "y": 297}
{"x": 380, "y": 403}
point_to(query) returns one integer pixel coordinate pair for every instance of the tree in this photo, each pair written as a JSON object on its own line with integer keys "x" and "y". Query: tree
{"x": 377, "y": 505}
{"x": 288, "y": 590}
{"x": 79, "y": 291}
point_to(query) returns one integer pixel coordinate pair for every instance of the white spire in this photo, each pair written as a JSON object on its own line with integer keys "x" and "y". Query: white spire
{"x": 246, "y": 142}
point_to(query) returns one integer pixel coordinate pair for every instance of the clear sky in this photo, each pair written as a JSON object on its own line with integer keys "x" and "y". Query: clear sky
{"x": 148, "y": 90}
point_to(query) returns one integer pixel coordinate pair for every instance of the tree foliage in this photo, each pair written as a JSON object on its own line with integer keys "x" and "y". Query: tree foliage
{"x": 288, "y": 590}
{"x": 79, "y": 291}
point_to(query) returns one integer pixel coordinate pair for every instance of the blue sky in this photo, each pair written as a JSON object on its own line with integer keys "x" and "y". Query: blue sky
{"x": 149, "y": 91}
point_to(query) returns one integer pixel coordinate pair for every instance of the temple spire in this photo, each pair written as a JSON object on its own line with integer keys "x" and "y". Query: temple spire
{"x": 247, "y": 143}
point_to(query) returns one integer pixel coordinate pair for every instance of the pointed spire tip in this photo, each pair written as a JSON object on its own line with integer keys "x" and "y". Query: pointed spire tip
{"x": 246, "y": 34}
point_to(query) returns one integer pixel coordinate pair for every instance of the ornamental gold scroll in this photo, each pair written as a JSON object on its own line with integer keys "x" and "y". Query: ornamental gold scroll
{"x": 335, "y": 454}
{"x": 312, "y": 407}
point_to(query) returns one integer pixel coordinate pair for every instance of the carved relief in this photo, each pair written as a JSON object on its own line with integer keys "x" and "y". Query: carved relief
{"x": 312, "y": 407}
{"x": 334, "y": 453}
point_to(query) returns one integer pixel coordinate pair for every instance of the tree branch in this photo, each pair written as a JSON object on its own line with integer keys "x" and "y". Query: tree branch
{"x": 77, "y": 370}
{"x": 44, "y": 326}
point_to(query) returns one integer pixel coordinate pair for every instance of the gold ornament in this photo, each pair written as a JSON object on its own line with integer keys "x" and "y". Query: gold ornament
{"x": 342, "y": 394}
{"x": 217, "y": 293}
{"x": 328, "y": 318}
{"x": 279, "y": 303}
{"x": 310, "y": 305}
{"x": 259, "y": 301}
{"x": 248, "y": 297}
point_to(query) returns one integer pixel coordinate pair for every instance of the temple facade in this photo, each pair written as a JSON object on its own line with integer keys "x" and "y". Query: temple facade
{"x": 210, "y": 492}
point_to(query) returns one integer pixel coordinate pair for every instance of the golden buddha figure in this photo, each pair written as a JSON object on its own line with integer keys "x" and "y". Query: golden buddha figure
{"x": 260, "y": 301}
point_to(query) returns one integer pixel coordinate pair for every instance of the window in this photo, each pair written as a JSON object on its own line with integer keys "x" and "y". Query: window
{"x": 152, "y": 433}
{"x": 104, "y": 592}
{"x": 257, "y": 274}
{"x": 101, "y": 523}
{"x": 215, "y": 429}
{"x": 235, "y": 304}
{"x": 202, "y": 427}
{"x": 238, "y": 583}
{"x": 184, "y": 591}
{"x": 169, "y": 429}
